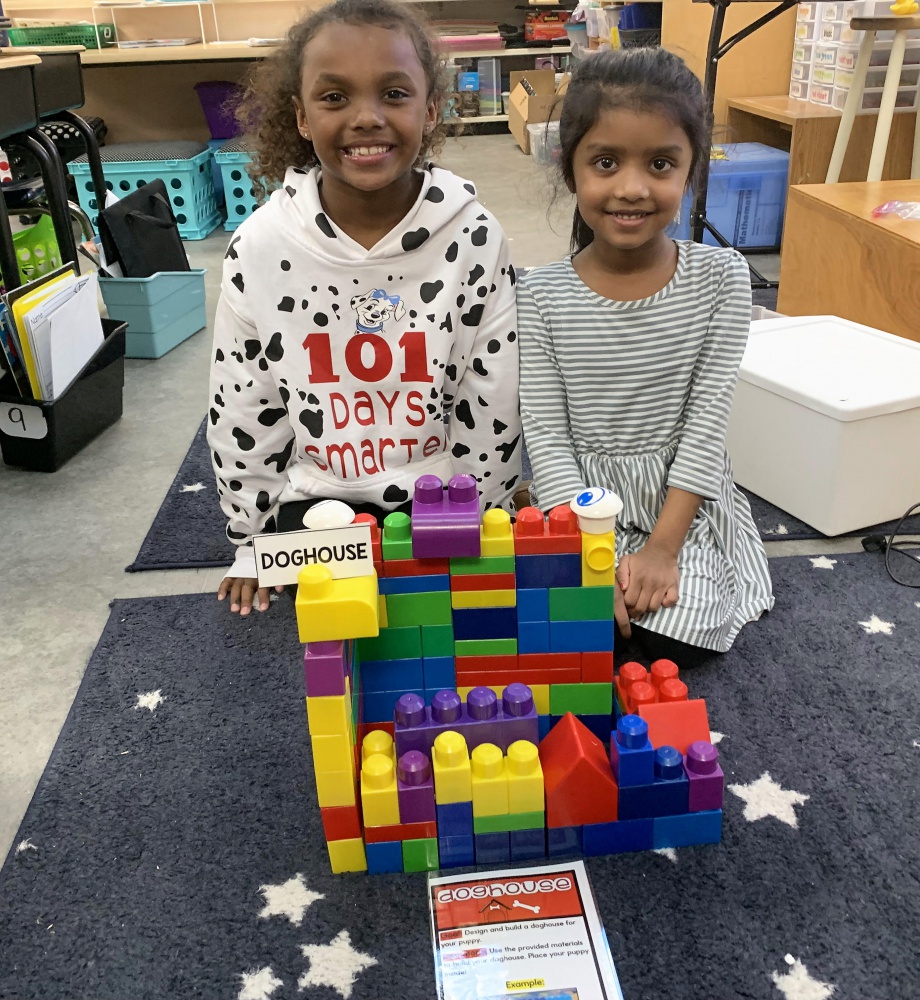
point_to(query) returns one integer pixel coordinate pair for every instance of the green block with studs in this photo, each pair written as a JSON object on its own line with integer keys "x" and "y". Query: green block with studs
{"x": 404, "y": 610}
{"x": 392, "y": 644}
{"x": 437, "y": 640}
{"x": 581, "y": 699}
{"x": 420, "y": 855}
{"x": 485, "y": 647}
{"x": 576, "y": 604}
{"x": 481, "y": 565}
{"x": 508, "y": 822}
{"x": 396, "y": 538}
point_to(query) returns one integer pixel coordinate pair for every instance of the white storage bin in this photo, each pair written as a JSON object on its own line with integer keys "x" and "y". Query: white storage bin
{"x": 798, "y": 90}
{"x": 803, "y": 52}
{"x": 847, "y": 56}
{"x": 875, "y": 77}
{"x": 835, "y": 31}
{"x": 872, "y": 99}
{"x": 820, "y": 95}
{"x": 826, "y": 421}
{"x": 826, "y": 55}
{"x": 805, "y": 31}
{"x": 842, "y": 11}
{"x": 809, "y": 11}
{"x": 823, "y": 76}
{"x": 802, "y": 71}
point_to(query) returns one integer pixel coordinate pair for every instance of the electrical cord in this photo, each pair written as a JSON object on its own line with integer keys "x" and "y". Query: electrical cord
{"x": 890, "y": 543}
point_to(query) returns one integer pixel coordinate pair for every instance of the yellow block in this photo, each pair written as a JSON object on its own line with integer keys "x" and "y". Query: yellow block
{"x": 330, "y": 714}
{"x": 497, "y": 688}
{"x": 382, "y": 611}
{"x": 379, "y": 799}
{"x": 483, "y": 598}
{"x": 330, "y": 609}
{"x": 347, "y": 856}
{"x": 335, "y": 788}
{"x": 598, "y": 560}
{"x": 496, "y": 536}
{"x": 450, "y": 761}
{"x": 333, "y": 753}
{"x": 378, "y": 741}
{"x": 525, "y": 778}
{"x": 540, "y": 694}
{"x": 490, "y": 783}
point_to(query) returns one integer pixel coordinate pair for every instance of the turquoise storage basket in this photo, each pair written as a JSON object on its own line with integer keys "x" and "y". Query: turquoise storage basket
{"x": 161, "y": 311}
{"x": 233, "y": 158}
{"x": 184, "y": 167}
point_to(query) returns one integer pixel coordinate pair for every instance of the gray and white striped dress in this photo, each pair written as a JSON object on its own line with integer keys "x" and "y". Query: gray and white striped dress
{"x": 635, "y": 396}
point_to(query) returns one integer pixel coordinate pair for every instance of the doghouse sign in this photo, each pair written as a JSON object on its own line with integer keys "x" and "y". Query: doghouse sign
{"x": 346, "y": 551}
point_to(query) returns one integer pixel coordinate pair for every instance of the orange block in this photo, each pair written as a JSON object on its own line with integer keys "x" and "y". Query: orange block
{"x": 676, "y": 723}
{"x": 580, "y": 787}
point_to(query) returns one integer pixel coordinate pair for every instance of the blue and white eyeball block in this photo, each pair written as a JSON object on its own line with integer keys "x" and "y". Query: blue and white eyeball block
{"x": 597, "y": 510}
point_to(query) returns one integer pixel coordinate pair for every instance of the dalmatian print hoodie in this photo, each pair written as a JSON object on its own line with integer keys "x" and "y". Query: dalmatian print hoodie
{"x": 345, "y": 372}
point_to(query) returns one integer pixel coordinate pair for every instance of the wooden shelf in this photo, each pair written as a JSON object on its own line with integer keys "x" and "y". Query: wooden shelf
{"x": 484, "y": 119}
{"x": 784, "y": 110}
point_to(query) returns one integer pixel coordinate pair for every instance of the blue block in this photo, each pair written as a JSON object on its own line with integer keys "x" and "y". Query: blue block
{"x": 533, "y": 605}
{"x": 440, "y": 673}
{"x": 632, "y": 765}
{"x": 684, "y": 831}
{"x": 533, "y": 637}
{"x": 492, "y": 848}
{"x": 455, "y": 819}
{"x": 413, "y": 584}
{"x": 661, "y": 798}
{"x": 581, "y": 637}
{"x": 385, "y": 857}
{"x": 600, "y": 725}
{"x": 485, "y": 623}
{"x": 563, "y": 840}
{"x": 544, "y": 724}
{"x": 456, "y": 852}
{"x": 616, "y": 838}
{"x": 539, "y": 572}
{"x": 392, "y": 675}
{"x": 379, "y": 705}
{"x": 527, "y": 845}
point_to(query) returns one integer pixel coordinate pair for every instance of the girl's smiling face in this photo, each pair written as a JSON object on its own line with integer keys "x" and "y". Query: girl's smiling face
{"x": 631, "y": 170}
{"x": 364, "y": 105}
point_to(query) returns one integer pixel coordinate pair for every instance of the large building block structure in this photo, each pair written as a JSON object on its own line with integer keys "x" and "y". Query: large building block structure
{"x": 462, "y": 704}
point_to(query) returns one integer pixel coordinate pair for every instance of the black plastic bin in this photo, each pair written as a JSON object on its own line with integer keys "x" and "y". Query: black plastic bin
{"x": 91, "y": 404}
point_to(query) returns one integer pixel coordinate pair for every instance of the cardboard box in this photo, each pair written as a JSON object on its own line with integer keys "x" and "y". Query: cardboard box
{"x": 531, "y": 109}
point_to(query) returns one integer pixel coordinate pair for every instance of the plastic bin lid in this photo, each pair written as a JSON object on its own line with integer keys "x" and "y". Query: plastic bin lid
{"x": 751, "y": 154}
{"x": 842, "y": 369}
{"x": 535, "y": 128}
{"x": 131, "y": 152}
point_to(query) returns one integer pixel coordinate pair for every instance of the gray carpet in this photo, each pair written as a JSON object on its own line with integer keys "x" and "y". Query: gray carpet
{"x": 136, "y": 872}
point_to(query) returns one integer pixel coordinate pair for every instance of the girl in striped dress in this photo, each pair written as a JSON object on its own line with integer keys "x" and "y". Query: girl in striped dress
{"x": 629, "y": 354}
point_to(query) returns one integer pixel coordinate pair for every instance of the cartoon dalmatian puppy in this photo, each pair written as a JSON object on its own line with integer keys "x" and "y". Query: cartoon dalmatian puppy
{"x": 374, "y": 308}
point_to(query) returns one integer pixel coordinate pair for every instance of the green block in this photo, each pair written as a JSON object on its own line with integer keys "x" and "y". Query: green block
{"x": 437, "y": 640}
{"x": 508, "y": 822}
{"x": 485, "y": 647}
{"x": 576, "y": 604}
{"x": 420, "y": 855}
{"x": 396, "y": 538}
{"x": 419, "y": 609}
{"x": 392, "y": 644}
{"x": 475, "y": 565}
{"x": 581, "y": 699}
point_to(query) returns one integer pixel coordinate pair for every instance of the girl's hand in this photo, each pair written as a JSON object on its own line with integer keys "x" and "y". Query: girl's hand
{"x": 648, "y": 580}
{"x": 241, "y": 590}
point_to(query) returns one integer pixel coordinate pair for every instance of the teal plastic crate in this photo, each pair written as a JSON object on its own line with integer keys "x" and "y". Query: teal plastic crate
{"x": 161, "y": 311}
{"x": 184, "y": 167}
{"x": 233, "y": 158}
{"x": 746, "y": 200}
{"x": 218, "y": 178}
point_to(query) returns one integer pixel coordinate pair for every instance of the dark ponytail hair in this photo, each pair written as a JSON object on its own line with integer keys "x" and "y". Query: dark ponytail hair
{"x": 640, "y": 80}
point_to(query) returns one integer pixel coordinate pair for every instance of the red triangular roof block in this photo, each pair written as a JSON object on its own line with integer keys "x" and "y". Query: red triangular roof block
{"x": 580, "y": 787}
{"x": 676, "y": 723}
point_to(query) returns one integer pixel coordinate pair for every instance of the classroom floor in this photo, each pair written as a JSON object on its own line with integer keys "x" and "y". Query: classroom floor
{"x": 68, "y": 536}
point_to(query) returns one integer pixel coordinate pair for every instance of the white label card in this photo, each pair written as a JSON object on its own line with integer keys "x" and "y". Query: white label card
{"x": 22, "y": 421}
{"x": 345, "y": 551}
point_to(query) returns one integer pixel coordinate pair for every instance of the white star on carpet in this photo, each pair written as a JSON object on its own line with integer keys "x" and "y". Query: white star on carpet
{"x": 336, "y": 964}
{"x": 798, "y": 984}
{"x": 822, "y": 562}
{"x": 291, "y": 899}
{"x": 150, "y": 699}
{"x": 916, "y": 744}
{"x": 715, "y": 737}
{"x": 667, "y": 852}
{"x": 917, "y": 604}
{"x": 875, "y": 625}
{"x": 193, "y": 488}
{"x": 259, "y": 985}
{"x": 764, "y": 797}
{"x": 780, "y": 529}
{"x": 25, "y": 845}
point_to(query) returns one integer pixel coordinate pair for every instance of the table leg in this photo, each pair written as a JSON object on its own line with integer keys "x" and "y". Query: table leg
{"x": 886, "y": 111}
{"x": 854, "y": 100}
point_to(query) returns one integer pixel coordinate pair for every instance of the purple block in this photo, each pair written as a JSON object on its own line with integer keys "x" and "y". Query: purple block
{"x": 413, "y": 728}
{"x": 325, "y": 666}
{"x": 415, "y": 788}
{"x": 445, "y": 525}
{"x": 706, "y": 779}
{"x": 519, "y": 716}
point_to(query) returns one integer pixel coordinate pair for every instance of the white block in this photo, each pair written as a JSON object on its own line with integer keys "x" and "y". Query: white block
{"x": 826, "y": 421}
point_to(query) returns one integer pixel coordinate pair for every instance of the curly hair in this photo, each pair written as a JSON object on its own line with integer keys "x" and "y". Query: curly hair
{"x": 266, "y": 111}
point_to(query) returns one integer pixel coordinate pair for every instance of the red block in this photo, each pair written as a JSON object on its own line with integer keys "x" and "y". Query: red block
{"x": 493, "y": 581}
{"x": 368, "y": 727}
{"x": 630, "y": 673}
{"x": 580, "y": 787}
{"x": 676, "y": 723}
{"x": 550, "y": 661}
{"x": 376, "y": 547}
{"x": 639, "y": 695}
{"x": 403, "y": 831}
{"x": 488, "y": 678}
{"x": 341, "y": 822}
{"x": 596, "y": 668}
{"x": 558, "y": 534}
{"x": 416, "y": 567}
{"x": 476, "y": 664}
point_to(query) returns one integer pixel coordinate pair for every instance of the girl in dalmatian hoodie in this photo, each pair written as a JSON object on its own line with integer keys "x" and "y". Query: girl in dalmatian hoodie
{"x": 371, "y": 298}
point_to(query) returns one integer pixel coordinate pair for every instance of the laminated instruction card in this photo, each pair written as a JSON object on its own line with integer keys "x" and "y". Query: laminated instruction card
{"x": 520, "y": 934}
